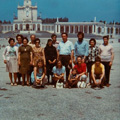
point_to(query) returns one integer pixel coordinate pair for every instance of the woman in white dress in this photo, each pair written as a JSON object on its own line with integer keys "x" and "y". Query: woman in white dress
{"x": 10, "y": 56}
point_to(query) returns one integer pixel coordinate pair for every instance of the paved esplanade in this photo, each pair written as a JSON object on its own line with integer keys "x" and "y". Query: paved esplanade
{"x": 26, "y": 103}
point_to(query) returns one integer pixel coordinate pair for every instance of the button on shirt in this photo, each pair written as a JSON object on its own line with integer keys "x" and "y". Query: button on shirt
{"x": 65, "y": 48}
{"x": 81, "y": 48}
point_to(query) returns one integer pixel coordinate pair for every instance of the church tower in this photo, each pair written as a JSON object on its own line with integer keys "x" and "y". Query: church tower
{"x": 27, "y": 3}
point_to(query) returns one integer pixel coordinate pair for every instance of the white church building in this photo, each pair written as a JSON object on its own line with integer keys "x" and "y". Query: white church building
{"x": 27, "y": 21}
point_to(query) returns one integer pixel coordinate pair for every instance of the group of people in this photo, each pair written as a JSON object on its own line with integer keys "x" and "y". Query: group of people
{"x": 27, "y": 59}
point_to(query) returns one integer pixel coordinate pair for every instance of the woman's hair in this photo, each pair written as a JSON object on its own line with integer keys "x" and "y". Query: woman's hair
{"x": 11, "y": 39}
{"x": 57, "y": 63}
{"x": 25, "y": 38}
{"x": 49, "y": 40}
{"x": 92, "y": 39}
{"x": 37, "y": 39}
{"x": 19, "y": 35}
{"x": 43, "y": 66}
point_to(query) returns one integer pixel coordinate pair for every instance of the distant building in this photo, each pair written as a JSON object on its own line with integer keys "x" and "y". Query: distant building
{"x": 28, "y": 21}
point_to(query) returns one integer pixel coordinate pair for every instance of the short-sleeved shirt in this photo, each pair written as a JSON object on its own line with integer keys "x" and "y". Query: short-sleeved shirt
{"x": 80, "y": 69}
{"x": 98, "y": 69}
{"x": 65, "y": 48}
{"x": 105, "y": 52}
{"x": 81, "y": 48}
{"x": 58, "y": 71}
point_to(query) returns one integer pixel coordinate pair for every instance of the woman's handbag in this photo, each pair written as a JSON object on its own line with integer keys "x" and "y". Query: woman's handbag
{"x": 59, "y": 85}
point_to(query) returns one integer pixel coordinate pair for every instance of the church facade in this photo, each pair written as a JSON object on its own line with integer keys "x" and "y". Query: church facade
{"x": 28, "y": 21}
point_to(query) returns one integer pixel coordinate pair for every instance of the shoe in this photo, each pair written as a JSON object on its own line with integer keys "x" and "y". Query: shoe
{"x": 101, "y": 86}
{"x": 108, "y": 85}
{"x": 15, "y": 84}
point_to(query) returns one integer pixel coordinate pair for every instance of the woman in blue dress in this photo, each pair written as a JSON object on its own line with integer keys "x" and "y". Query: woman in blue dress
{"x": 38, "y": 75}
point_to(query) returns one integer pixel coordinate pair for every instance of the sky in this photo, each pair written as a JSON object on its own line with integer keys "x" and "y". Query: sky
{"x": 74, "y": 10}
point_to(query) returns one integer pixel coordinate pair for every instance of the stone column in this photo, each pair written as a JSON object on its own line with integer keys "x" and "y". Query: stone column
{"x": 58, "y": 28}
{"x": 83, "y": 28}
{"x": 74, "y": 29}
{"x": 36, "y": 27}
{"x": 92, "y": 29}
{"x": 87, "y": 28}
{"x": 55, "y": 31}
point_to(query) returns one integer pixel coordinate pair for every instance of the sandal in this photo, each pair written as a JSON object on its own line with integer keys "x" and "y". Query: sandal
{"x": 12, "y": 84}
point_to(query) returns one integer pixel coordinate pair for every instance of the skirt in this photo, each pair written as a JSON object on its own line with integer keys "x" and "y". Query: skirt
{"x": 12, "y": 65}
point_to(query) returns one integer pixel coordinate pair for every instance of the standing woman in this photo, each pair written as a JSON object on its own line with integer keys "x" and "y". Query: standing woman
{"x": 10, "y": 56}
{"x": 38, "y": 52}
{"x": 93, "y": 53}
{"x": 25, "y": 60}
{"x": 51, "y": 57}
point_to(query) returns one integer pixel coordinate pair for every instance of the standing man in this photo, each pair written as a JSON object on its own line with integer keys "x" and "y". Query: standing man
{"x": 66, "y": 52}
{"x": 54, "y": 40}
{"x": 81, "y": 47}
{"x": 107, "y": 56}
{"x": 32, "y": 42}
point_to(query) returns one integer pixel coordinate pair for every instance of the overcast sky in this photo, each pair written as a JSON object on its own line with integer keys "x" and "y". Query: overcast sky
{"x": 75, "y": 10}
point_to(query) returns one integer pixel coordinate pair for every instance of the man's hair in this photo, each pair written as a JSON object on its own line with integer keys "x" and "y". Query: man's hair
{"x": 53, "y": 35}
{"x": 81, "y": 33}
{"x": 32, "y": 35}
{"x": 106, "y": 37}
{"x": 64, "y": 33}
{"x": 97, "y": 59}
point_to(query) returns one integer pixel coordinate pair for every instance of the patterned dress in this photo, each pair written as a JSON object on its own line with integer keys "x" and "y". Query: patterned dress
{"x": 93, "y": 53}
{"x": 38, "y": 53}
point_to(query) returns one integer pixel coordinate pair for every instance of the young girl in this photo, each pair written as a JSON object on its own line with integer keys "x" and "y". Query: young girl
{"x": 38, "y": 75}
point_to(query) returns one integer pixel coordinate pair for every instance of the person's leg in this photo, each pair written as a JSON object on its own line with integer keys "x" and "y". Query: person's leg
{"x": 107, "y": 72}
{"x": 28, "y": 79}
{"x": 10, "y": 76}
{"x": 23, "y": 79}
{"x": 15, "y": 78}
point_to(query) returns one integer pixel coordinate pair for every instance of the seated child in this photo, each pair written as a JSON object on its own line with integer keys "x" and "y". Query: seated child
{"x": 38, "y": 75}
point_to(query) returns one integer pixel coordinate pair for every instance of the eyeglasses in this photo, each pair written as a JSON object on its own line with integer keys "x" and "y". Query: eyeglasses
{"x": 37, "y": 42}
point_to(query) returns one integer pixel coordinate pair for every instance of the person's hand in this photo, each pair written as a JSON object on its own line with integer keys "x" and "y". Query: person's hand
{"x": 70, "y": 62}
{"x": 96, "y": 83}
{"x": 19, "y": 63}
{"x": 99, "y": 82}
{"x": 110, "y": 64}
{"x": 49, "y": 61}
{"x": 31, "y": 63}
{"x": 5, "y": 61}
{"x": 54, "y": 61}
